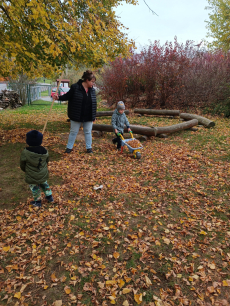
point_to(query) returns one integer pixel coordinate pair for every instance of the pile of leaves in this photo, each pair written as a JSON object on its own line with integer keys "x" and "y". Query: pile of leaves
{"x": 156, "y": 231}
{"x": 135, "y": 143}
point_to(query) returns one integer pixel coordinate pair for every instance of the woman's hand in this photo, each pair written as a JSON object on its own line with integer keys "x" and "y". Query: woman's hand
{"x": 129, "y": 130}
{"x": 55, "y": 96}
{"x": 116, "y": 131}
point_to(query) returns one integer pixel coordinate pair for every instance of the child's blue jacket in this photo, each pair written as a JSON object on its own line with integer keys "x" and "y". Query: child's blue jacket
{"x": 119, "y": 120}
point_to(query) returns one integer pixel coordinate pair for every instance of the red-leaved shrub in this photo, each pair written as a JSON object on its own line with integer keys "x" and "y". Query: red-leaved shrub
{"x": 169, "y": 76}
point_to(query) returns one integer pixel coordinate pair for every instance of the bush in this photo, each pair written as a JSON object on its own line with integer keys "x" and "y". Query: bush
{"x": 169, "y": 76}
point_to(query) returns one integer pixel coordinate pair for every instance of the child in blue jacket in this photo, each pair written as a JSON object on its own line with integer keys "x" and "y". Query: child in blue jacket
{"x": 119, "y": 119}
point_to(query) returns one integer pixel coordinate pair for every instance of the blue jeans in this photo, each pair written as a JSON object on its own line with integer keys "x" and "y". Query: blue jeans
{"x": 74, "y": 129}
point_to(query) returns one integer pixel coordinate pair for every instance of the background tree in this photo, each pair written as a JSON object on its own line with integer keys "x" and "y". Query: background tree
{"x": 39, "y": 36}
{"x": 219, "y": 23}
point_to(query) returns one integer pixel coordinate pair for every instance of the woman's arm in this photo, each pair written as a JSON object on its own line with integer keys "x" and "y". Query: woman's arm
{"x": 65, "y": 97}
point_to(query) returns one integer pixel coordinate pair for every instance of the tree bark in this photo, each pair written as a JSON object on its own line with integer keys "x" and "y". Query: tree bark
{"x": 176, "y": 127}
{"x": 164, "y": 112}
{"x": 201, "y": 120}
{"x": 108, "y": 113}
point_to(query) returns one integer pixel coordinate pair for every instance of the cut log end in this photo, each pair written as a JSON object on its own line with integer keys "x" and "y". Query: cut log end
{"x": 211, "y": 124}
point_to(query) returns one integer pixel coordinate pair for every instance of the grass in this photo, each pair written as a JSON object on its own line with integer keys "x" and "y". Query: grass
{"x": 164, "y": 217}
{"x": 45, "y": 93}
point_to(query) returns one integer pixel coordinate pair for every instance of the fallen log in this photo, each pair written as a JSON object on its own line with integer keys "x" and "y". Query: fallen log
{"x": 176, "y": 127}
{"x": 201, "y": 120}
{"x": 143, "y": 130}
{"x": 157, "y": 112}
{"x": 136, "y": 129}
{"x": 108, "y": 113}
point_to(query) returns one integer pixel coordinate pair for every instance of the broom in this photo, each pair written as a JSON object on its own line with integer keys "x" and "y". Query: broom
{"x": 59, "y": 82}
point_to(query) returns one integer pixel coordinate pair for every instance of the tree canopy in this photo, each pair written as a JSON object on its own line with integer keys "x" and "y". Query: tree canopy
{"x": 44, "y": 35}
{"x": 219, "y": 23}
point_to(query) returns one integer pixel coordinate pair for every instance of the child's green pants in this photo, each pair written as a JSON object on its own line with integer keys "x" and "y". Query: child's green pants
{"x": 36, "y": 190}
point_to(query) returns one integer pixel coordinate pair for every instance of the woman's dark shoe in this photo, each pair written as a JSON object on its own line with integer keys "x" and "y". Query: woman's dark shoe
{"x": 49, "y": 198}
{"x": 68, "y": 150}
{"x": 89, "y": 151}
{"x": 36, "y": 203}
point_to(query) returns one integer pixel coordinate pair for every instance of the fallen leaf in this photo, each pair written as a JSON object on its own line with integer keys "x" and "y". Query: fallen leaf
{"x": 226, "y": 283}
{"x": 54, "y": 278}
{"x": 63, "y": 279}
{"x": 148, "y": 281}
{"x": 116, "y": 255}
{"x": 67, "y": 290}
{"x": 126, "y": 290}
{"x": 166, "y": 241}
{"x": 138, "y": 298}
{"x": 58, "y": 303}
{"x": 212, "y": 266}
{"x": 120, "y": 283}
{"x": 6, "y": 249}
{"x": 17, "y": 295}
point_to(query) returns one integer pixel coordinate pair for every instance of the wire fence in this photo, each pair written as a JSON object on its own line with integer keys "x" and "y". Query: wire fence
{"x": 32, "y": 94}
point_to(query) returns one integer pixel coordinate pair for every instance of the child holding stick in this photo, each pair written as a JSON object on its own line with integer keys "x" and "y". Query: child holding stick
{"x": 33, "y": 162}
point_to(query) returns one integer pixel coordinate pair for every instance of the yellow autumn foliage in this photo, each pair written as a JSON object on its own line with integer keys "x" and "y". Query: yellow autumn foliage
{"x": 38, "y": 38}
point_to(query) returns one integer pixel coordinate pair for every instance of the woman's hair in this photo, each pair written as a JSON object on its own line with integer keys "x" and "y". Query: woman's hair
{"x": 88, "y": 75}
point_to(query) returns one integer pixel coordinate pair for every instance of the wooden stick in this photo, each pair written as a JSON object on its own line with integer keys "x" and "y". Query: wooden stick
{"x": 59, "y": 82}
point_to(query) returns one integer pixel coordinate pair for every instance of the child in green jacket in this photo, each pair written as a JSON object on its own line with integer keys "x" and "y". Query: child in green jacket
{"x": 33, "y": 162}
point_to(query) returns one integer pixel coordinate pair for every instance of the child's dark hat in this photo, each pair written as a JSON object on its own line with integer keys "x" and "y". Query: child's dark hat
{"x": 34, "y": 138}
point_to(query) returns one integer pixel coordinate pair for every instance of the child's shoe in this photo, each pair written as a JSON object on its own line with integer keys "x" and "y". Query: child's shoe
{"x": 49, "y": 198}
{"x": 36, "y": 203}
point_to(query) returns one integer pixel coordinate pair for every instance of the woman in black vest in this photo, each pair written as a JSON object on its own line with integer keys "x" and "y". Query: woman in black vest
{"x": 82, "y": 108}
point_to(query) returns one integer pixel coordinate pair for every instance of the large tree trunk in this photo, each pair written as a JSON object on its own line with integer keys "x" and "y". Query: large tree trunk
{"x": 176, "y": 127}
{"x": 164, "y": 112}
{"x": 108, "y": 113}
{"x": 201, "y": 120}
{"x": 142, "y": 130}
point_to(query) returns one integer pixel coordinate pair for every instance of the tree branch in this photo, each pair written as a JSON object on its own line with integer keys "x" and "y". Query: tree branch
{"x": 150, "y": 8}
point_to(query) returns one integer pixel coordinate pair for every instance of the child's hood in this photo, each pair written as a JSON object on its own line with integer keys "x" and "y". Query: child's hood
{"x": 34, "y": 158}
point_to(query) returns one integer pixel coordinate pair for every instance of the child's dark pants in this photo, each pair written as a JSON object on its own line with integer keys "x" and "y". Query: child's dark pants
{"x": 117, "y": 140}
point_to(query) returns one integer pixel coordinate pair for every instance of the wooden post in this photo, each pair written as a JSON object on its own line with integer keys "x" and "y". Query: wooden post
{"x": 52, "y": 103}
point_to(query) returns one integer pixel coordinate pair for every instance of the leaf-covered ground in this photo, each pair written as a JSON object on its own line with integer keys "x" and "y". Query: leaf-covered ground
{"x": 156, "y": 233}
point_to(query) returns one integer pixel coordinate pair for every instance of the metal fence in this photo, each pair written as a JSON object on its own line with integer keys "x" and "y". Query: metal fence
{"x": 30, "y": 93}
